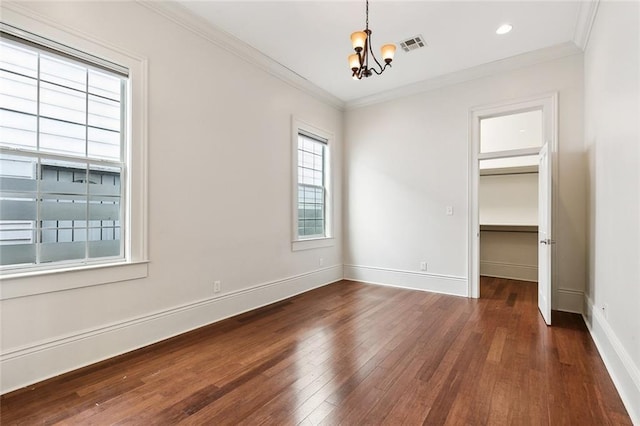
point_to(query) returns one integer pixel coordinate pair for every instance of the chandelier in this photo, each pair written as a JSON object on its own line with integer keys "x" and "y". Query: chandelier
{"x": 359, "y": 61}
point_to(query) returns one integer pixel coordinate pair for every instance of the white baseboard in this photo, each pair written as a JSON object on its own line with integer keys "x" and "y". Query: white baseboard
{"x": 568, "y": 300}
{"x": 436, "y": 283}
{"x": 27, "y": 365}
{"x": 511, "y": 271}
{"x": 624, "y": 373}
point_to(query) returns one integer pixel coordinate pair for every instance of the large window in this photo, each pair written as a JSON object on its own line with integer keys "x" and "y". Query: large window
{"x": 62, "y": 157}
{"x": 312, "y": 187}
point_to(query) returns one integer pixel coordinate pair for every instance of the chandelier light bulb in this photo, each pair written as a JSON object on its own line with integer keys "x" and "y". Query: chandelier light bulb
{"x": 388, "y": 50}
{"x": 358, "y": 40}
{"x": 354, "y": 62}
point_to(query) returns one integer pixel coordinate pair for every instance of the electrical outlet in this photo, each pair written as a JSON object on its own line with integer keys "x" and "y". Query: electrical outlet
{"x": 217, "y": 286}
{"x": 449, "y": 210}
{"x": 423, "y": 266}
{"x": 321, "y": 262}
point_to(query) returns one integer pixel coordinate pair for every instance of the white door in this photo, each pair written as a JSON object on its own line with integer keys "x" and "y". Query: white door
{"x": 544, "y": 234}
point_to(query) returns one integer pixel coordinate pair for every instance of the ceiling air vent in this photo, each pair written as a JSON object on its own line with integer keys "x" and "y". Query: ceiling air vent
{"x": 413, "y": 43}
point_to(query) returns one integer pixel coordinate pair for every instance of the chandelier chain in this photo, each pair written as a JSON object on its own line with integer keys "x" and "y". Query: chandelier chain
{"x": 367, "y": 27}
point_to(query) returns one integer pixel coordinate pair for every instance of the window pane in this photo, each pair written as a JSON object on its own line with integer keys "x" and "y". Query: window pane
{"x": 18, "y": 130}
{"x": 18, "y": 93}
{"x": 102, "y": 248}
{"x": 104, "y": 181}
{"x": 18, "y": 210}
{"x": 62, "y": 103}
{"x": 18, "y": 60}
{"x": 63, "y": 73}
{"x": 104, "y": 85}
{"x": 62, "y": 137}
{"x": 55, "y": 252}
{"x": 16, "y": 253}
{"x": 104, "y": 113}
{"x": 63, "y": 177}
{"x": 104, "y": 144}
{"x": 17, "y": 189}
{"x": 513, "y": 131}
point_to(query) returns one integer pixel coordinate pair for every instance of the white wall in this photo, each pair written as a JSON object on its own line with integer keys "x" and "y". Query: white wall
{"x": 509, "y": 199}
{"x": 507, "y": 254}
{"x": 407, "y": 159}
{"x": 612, "y": 135}
{"x": 219, "y": 201}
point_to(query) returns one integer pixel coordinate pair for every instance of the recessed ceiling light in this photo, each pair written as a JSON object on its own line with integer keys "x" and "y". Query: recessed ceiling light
{"x": 504, "y": 28}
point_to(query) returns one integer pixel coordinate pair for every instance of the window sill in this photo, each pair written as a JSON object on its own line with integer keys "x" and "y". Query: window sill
{"x": 312, "y": 244}
{"x": 40, "y": 282}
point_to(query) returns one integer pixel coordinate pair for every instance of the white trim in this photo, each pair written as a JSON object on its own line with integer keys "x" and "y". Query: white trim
{"x": 512, "y": 271}
{"x": 54, "y": 280}
{"x": 135, "y": 219}
{"x": 549, "y": 105}
{"x": 521, "y": 152}
{"x": 435, "y": 283}
{"x": 203, "y": 28}
{"x": 624, "y": 373}
{"x": 30, "y": 364}
{"x": 313, "y": 243}
{"x": 584, "y": 23}
{"x": 485, "y": 70}
{"x": 569, "y": 300}
{"x": 39, "y": 43}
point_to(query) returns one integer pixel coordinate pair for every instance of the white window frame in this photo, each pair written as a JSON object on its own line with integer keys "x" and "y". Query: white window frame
{"x": 14, "y": 283}
{"x": 302, "y": 243}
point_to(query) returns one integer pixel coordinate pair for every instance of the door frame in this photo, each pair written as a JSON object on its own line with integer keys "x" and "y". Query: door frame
{"x": 548, "y": 103}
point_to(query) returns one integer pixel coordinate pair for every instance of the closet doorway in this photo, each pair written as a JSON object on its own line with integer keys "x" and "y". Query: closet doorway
{"x": 511, "y": 194}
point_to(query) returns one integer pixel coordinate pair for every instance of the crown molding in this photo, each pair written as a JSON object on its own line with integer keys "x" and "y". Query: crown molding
{"x": 584, "y": 23}
{"x": 202, "y": 28}
{"x": 508, "y": 64}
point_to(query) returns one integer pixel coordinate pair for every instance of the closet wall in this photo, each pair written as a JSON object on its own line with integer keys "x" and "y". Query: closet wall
{"x": 508, "y": 224}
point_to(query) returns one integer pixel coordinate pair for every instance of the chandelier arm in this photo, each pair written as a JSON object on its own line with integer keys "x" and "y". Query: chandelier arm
{"x": 374, "y": 56}
{"x": 381, "y": 70}
{"x": 361, "y": 57}
{"x": 367, "y": 46}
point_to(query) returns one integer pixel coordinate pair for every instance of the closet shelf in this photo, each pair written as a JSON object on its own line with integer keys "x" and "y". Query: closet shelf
{"x": 508, "y": 228}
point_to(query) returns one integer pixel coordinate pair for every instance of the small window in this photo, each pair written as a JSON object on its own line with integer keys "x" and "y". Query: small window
{"x": 312, "y": 200}
{"x": 62, "y": 158}
{"x": 512, "y": 131}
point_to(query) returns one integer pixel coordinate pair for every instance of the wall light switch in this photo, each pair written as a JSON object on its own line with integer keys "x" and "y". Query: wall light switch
{"x": 449, "y": 210}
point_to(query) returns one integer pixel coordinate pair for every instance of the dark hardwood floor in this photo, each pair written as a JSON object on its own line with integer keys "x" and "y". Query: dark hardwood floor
{"x": 349, "y": 353}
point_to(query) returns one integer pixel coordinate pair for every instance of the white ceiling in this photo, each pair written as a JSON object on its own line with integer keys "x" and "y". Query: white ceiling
{"x": 312, "y": 37}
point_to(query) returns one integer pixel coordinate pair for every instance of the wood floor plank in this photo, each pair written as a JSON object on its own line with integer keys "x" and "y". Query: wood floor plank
{"x": 349, "y": 353}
